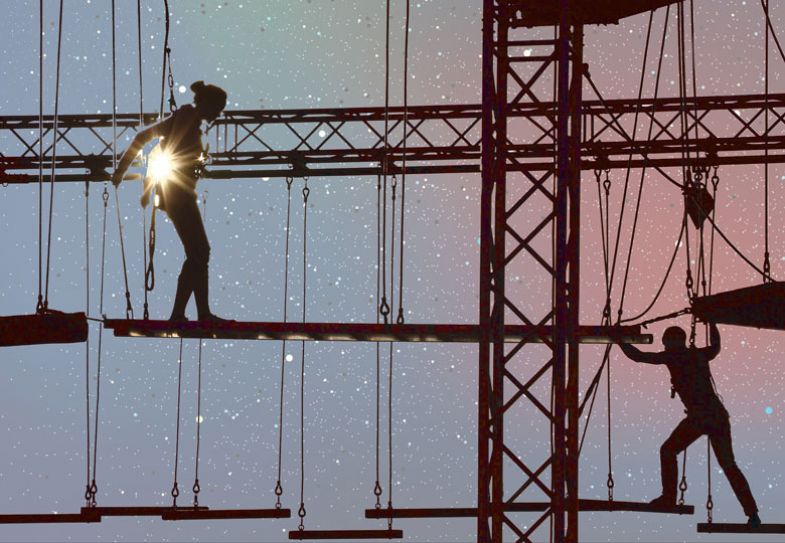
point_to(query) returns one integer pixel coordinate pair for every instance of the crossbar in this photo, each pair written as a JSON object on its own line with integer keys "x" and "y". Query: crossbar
{"x": 345, "y": 534}
{"x": 44, "y": 328}
{"x": 224, "y": 514}
{"x": 529, "y": 507}
{"x": 133, "y": 511}
{"x": 334, "y": 331}
{"x": 733, "y": 528}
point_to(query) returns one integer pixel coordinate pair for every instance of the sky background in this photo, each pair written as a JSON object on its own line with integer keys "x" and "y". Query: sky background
{"x": 330, "y": 53}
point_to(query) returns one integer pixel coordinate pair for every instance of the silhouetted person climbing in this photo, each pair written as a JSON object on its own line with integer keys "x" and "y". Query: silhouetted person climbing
{"x": 691, "y": 379}
{"x": 181, "y": 148}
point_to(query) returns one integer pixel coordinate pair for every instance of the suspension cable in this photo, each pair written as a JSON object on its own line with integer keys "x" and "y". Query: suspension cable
{"x": 400, "y": 319}
{"x": 175, "y": 492}
{"x": 278, "y": 487}
{"x": 45, "y": 305}
{"x": 40, "y": 303}
{"x": 765, "y": 5}
{"x": 377, "y": 488}
{"x": 384, "y": 308}
{"x": 167, "y": 64}
{"x": 146, "y": 310}
{"x": 87, "y": 344}
{"x": 196, "y": 488}
{"x": 301, "y": 511}
{"x": 93, "y": 485}
{"x": 709, "y": 500}
{"x": 766, "y": 260}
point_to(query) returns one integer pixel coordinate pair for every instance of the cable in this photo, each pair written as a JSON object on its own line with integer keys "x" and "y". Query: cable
{"x": 93, "y": 486}
{"x": 87, "y": 493}
{"x": 766, "y": 259}
{"x": 196, "y": 488}
{"x": 40, "y": 304}
{"x": 54, "y": 157}
{"x": 384, "y": 308}
{"x": 278, "y": 488}
{"x": 301, "y": 511}
{"x": 377, "y": 489}
{"x": 765, "y": 5}
{"x": 400, "y": 319}
{"x": 175, "y": 492}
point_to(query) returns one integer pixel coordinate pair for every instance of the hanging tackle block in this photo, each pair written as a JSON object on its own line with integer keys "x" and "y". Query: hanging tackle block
{"x": 301, "y": 535}
{"x": 224, "y": 514}
{"x": 51, "y": 518}
{"x": 759, "y": 306}
{"x": 731, "y": 528}
{"x": 41, "y": 328}
{"x": 334, "y": 331}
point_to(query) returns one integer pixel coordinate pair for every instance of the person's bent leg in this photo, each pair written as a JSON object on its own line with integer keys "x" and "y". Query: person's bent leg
{"x": 722, "y": 444}
{"x": 184, "y": 214}
{"x": 682, "y": 436}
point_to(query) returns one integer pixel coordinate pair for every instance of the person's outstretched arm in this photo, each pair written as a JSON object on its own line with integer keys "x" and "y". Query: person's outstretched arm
{"x": 713, "y": 349}
{"x": 142, "y": 138}
{"x": 633, "y": 353}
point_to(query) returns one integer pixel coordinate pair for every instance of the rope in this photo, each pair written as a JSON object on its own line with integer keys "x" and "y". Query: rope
{"x": 766, "y": 259}
{"x": 45, "y": 305}
{"x": 87, "y": 344}
{"x": 40, "y": 304}
{"x": 146, "y": 311}
{"x": 377, "y": 489}
{"x": 175, "y": 492}
{"x": 709, "y": 500}
{"x": 384, "y": 308}
{"x": 167, "y": 64}
{"x": 683, "y": 484}
{"x": 196, "y": 488}
{"x": 278, "y": 487}
{"x": 765, "y": 5}
{"x": 400, "y": 319}
{"x": 301, "y": 511}
{"x": 93, "y": 486}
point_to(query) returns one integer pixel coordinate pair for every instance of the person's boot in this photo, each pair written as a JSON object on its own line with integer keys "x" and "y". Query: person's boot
{"x": 753, "y": 521}
{"x": 666, "y": 502}
{"x": 181, "y": 297}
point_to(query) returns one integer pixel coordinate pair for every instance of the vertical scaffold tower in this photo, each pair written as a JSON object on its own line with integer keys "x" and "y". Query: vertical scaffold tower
{"x": 520, "y": 208}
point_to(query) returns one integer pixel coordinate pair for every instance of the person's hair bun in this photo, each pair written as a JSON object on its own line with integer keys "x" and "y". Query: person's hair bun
{"x": 196, "y": 86}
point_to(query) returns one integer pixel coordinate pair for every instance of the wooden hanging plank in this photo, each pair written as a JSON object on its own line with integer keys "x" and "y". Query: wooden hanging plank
{"x": 224, "y": 514}
{"x": 132, "y": 511}
{"x": 345, "y": 534}
{"x": 733, "y": 528}
{"x": 759, "y": 306}
{"x": 333, "y": 331}
{"x": 587, "y": 12}
{"x": 37, "y": 329}
{"x": 50, "y": 518}
{"x": 527, "y": 507}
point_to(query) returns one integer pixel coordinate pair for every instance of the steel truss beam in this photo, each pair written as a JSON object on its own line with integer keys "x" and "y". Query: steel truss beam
{"x": 530, "y": 219}
{"x": 443, "y": 139}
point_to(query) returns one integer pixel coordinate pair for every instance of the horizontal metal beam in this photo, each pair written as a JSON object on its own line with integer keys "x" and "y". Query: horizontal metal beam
{"x": 442, "y": 139}
{"x": 335, "y": 331}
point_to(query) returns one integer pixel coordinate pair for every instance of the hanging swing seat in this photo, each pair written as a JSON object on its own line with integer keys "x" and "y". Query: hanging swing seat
{"x": 301, "y": 535}
{"x": 334, "y": 331}
{"x": 41, "y": 328}
{"x": 51, "y": 518}
{"x": 759, "y": 306}
{"x": 740, "y": 528}
{"x": 189, "y": 513}
{"x": 527, "y": 507}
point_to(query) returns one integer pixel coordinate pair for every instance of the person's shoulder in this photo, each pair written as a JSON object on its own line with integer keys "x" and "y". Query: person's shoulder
{"x": 186, "y": 113}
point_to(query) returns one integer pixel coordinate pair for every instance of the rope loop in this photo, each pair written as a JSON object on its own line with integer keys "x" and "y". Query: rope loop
{"x": 611, "y": 484}
{"x": 606, "y": 184}
{"x": 766, "y": 268}
{"x": 175, "y": 491}
{"x": 306, "y": 192}
{"x": 301, "y": 514}
{"x": 105, "y": 196}
{"x": 715, "y": 179}
{"x": 709, "y": 509}
{"x": 399, "y": 319}
{"x": 384, "y": 309}
{"x": 289, "y": 181}
{"x": 682, "y": 488}
{"x": 196, "y": 489}
{"x": 93, "y": 493}
{"x": 87, "y": 494}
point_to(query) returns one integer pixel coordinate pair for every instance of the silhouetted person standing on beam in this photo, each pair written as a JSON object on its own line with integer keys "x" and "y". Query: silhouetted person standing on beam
{"x": 176, "y": 169}
{"x": 691, "y": 379}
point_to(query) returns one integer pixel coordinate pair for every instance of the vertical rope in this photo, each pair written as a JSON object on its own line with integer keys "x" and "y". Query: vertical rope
{"x": 400, "y": 319}
{"x": 278, "y": 488}
{"x": 196, "y": 488}
{"x": 45, "y": 305}
{"x": 93, "y": 485}
{"x": 87, "y": 343}
{"x": 40, "y": 303}
{"x": 175, "y": 492}
{"x": 766, "y": 260}
{"x": 377, "y": 489}
{"x": 384, "y": 308}
{"x": 709, "y": 500}
{"x": 301, "y": 511}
